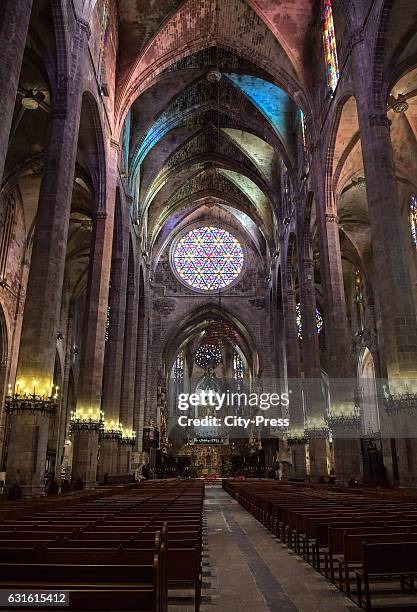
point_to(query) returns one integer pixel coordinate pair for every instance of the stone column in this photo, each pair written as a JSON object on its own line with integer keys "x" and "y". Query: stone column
{"x": 393, "y": 283}
{"x": 392, "y": 278}
{"x": 294, "y": 378}
{"x": 129, "y": 372}
{"x": 63, "y": 423}
{"x": 340, "y": 367}
{"x": 4, "y": 367}
{"x": 14, "y": 23}
{"x": 29, "y": 428}
{"x": 88, "y": 421}
{"x": 314, "y": 400}
{"x": 141, "y": 371}
{"x": 113, "y": 366}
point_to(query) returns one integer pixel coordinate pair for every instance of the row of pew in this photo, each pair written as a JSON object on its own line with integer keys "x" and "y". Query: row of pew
{"x": 114, "y": 552}
{"x": 364, "y": 544}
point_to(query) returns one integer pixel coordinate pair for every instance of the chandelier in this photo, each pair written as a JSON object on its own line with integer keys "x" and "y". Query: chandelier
{"x": 219, "y": 333}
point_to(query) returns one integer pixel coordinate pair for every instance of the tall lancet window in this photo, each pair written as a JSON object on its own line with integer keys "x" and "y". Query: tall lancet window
{"x": 359, "y": 298}
{"x": 7, "y": 222}
{"x": 330, "y": 50}
{"x": 303, "y": 129}
{"x": 178, "y": 375}
{"x": 412, "y": 216}
{"x": 105, "y": 20}
{"x": 238, "y": 371}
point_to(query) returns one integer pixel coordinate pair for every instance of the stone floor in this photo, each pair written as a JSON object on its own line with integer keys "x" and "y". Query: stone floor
{"x": 246, "y": 569}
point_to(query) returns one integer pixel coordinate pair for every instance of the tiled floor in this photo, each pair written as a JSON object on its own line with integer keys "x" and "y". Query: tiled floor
{"x": 246, "y": 569}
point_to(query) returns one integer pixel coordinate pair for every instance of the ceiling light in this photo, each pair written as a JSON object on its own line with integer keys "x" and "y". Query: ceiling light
{"x": 30, "y": 103}
{"x": 214, "y": 76}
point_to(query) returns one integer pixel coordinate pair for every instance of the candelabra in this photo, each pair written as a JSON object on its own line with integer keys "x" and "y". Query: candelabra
{"x": 19, "y": 403}
{"x": 400, "y": 402}
{"x": 293, "y": 440}
{"x": 352, "y": 420}
{"x": 316, "y": 432}
{"x": 128, "y": 440}
{"x": 86, "y": 423}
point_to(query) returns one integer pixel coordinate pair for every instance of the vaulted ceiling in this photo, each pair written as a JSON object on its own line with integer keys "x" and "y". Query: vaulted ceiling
{"x": 206, "y": 131}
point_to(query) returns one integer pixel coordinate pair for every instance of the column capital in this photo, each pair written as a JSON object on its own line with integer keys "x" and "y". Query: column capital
{"x": 331, "y": 218}
{"x": 379, "y": 119}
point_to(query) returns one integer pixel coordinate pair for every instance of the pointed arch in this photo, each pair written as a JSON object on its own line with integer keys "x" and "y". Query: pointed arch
{"x": 197, "y": 320}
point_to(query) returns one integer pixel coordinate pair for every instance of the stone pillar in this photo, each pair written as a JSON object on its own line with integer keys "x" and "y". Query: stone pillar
{"x": 63, "y": 423}
{"x": 340, "y": 366}
{"x": 141, "y": 368}
{"x": 29, "y": 430}
{"x": 113, "y": 366}
{"x": 88, "y": 420}
{"x": 294, "y": 378}
{"x": 129, "y": 371}
{"x": 393, "y": 283}
{"x": 4, "y": 367}
{"x": 392, "y": 277}
{"x": 14, "y": 23}
{"x": 313, "y": 396}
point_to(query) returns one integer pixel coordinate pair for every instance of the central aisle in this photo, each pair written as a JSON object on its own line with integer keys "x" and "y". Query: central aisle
{"x": 245, "y": 568}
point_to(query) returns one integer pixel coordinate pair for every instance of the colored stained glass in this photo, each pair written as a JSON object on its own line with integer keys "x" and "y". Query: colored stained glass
{"x": 360, "y": 308}
{"x": 412, "y": 214}
{"x": 208, "y": 356}
{"x": 208, "y": 258}
{"x": 319, "y": 321}
{"x": 179, "y": 374}
{"x": 238, "y": 371}
{"x": 330, "y": 51}
{"x": 303, "y": 129}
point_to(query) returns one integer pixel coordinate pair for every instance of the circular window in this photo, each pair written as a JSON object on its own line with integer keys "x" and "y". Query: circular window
{"x": 208, "y": 258}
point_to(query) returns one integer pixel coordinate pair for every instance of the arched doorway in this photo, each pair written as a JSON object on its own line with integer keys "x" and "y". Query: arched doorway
{"x": 372, "y": 453}
{"x": 368, "y": 394}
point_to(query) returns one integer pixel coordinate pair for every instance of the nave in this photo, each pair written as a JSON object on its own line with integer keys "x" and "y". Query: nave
{"x": 184, "y": 546}
{"x": 248, "y": 569}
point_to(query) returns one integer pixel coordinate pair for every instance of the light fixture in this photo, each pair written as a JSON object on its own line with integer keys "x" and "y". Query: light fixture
{"x": 400, "y": 105}
{"x": 30, "y": 103}
{"x": 32, "y": 99}
{"x": 214, "y": 75}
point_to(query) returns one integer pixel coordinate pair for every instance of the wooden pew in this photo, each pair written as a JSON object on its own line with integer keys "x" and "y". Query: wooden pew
{"x": 95, "y": 579}
{"x": 386, "y": 559}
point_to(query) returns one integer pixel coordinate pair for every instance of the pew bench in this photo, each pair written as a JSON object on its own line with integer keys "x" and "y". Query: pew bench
{"x": 391, "y": 560}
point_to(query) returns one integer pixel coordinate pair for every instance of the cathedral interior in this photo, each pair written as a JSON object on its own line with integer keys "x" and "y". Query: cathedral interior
{"x": 208, "y": 199}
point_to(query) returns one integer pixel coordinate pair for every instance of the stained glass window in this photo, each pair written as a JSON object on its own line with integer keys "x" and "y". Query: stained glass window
{"x": 104, "y": 25}
{"x": 105, "y": 20}
{"x": 238, "y": 371}
{"x": 412, "y": 214}
{"x": 360, "y": 309}
{"x": 303, "y": 129}
{"x": 107, "y": 332}
{"x": 178, "y": 374}
{"x": 208, "y": 258}
{"x": 330, "y": 51}
{"x": 208, "y": 356}
{"x": 319, "y": 320}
